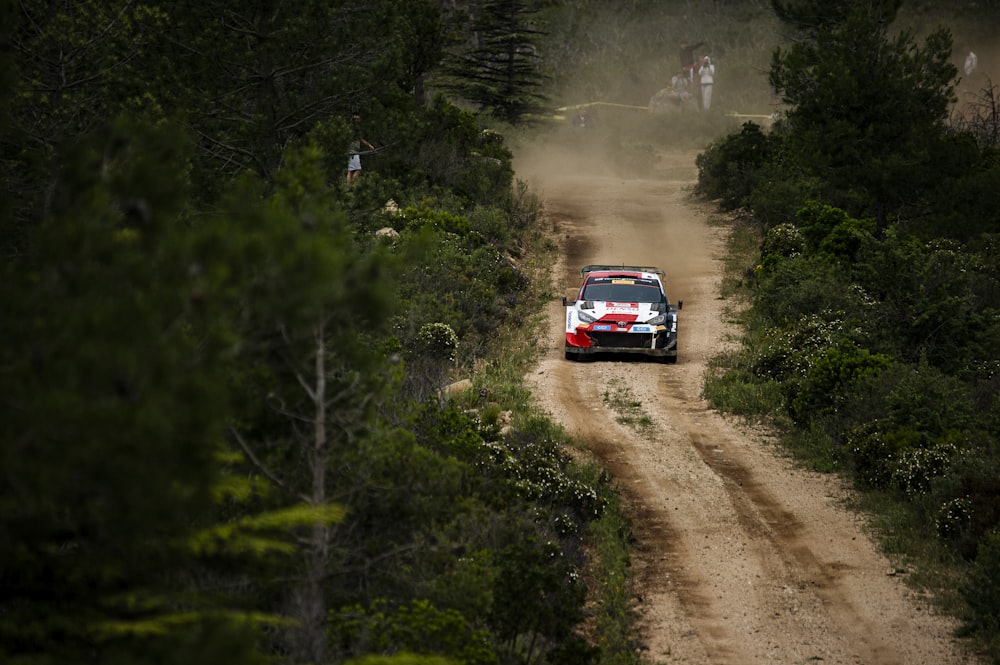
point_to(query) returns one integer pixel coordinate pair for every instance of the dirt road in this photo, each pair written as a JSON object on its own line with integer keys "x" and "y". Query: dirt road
{"x": 741, "y": 558}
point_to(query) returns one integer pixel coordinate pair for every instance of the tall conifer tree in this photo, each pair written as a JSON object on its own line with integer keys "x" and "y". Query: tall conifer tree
{"x": 110, "y": 418}
{"x": 500, "y": 68}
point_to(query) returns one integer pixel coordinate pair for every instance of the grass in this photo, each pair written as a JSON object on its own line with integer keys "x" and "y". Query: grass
{"x": 743, "y": 244}
{"x": 730, "y": 388}
{"x": 609, "y": 570}
{"x": 629, "y": 410}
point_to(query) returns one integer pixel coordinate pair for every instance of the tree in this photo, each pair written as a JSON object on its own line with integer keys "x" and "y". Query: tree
{"x": 864, "y": 108}
{"x": 309, "y": 378}
{"x": 112, "y": 414}
{"x": 76, "y": 66}
{"x": 421, "y": 35}
{"x": 201, "y": 425}
{"x": 252, "y": 77}
{"x": 249, "y": 77}
{"x": 500, "y": 69}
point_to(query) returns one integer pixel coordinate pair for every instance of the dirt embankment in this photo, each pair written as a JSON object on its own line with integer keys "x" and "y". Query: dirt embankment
{"x": 741, "y": 558}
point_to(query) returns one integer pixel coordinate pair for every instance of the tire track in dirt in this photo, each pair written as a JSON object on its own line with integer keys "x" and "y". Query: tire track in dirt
{"x": 780, "y": 536}
{"x": 739, "y": 557}
{"x": 657, "y": 557}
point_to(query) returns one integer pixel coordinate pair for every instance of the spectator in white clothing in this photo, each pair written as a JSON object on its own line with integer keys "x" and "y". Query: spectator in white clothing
{"x": 706, "y": 73}
{"x": 971, "y": 62}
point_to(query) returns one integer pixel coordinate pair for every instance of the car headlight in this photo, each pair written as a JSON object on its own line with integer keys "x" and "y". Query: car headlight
{"x": 658, "y": 319}
{"x": 585, "y": 317}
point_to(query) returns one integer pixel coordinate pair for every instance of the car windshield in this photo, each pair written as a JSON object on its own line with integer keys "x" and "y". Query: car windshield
{"x": 622, "y": 290}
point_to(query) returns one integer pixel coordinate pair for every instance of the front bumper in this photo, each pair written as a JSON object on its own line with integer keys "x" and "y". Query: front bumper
{"x": 660, "y": 343}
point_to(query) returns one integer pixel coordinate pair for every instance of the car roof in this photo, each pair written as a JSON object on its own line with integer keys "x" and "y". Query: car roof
{"x": 642, "y": 272}
{"x": 604, "y": 274}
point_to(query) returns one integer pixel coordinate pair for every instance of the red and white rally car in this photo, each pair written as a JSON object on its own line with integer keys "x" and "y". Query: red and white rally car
{"x": 622, "y": 309}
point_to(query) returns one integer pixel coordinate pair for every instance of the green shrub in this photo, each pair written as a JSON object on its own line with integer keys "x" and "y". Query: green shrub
{"x": 918, "y": 397}
{"x": 416, "y": 218}
{"x": 872, "y": 455}
{"x": 532, "y": 465}
{"x": 454, "y": 280}
{"x": 816, "y": 220}
{"x": 538, "y": 597}
{"x": 494, "y": 268}
{"x": 416, "y": 628}
{"x": 523, "y": 209}
{"x": 953, "y": 519}
{"x": 907, "y": 461}
{"x": 982, "y": 592}
{"x": 728, "y": 168}
{"x": 926, "y": 399}
{"x": 779, "y": 194}
{"x": 927, "y": 306}
{"x": 790, "y": 352}
{"x": 830, "y": 379}
{"x": 400, "y": 659}
{"x": 439, "y": 340}
{"x": 848, "y": 239}
{"x": 610, "y": 538}
{"x": 784, "y": 240}
{"x": 453, "y": 152}
{"x": 970, "y": 508}
{"x": 805, "y": 285}
{"x": 915, "y": 468}
{"x": 493, "y": 224}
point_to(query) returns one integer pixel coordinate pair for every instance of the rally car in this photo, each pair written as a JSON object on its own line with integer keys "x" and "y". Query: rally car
{"x": 621, "y": 309}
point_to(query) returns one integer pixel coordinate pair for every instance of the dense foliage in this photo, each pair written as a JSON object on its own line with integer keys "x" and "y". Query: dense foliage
{"x": 873, "y": 325}
{"x": 224, "y": 437}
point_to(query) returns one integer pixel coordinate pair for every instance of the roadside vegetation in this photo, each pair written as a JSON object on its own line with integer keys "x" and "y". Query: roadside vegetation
{"x": 228, "y": 433}
{"x": 229, "y": 427}
{"x": 870, "y": 310}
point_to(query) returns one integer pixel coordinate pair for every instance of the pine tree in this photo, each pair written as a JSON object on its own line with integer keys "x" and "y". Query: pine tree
{"x": 308, "y": 381}
{"x": 500, "y": 70}
{"x": 113, "y": 405}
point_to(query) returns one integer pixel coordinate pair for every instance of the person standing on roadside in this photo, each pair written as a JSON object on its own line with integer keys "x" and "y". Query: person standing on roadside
{"x": 354, "y": 159}
{"x": 690, "y": 68}
{"x": 971, "y": 62}
{"x": 706, "y": 74}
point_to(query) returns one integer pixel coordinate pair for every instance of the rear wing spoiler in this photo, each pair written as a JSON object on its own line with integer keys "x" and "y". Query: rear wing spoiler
{"x": 596, "y": 267}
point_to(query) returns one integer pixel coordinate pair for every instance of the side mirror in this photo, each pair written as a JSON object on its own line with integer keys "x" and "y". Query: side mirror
{"x": 564, "y": 301}
{"x": 680, "y": 304}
